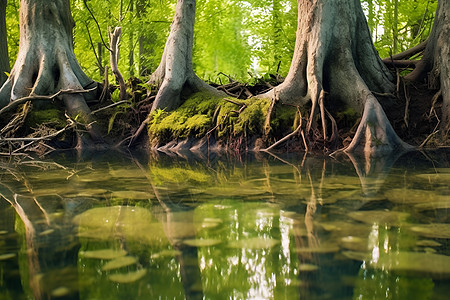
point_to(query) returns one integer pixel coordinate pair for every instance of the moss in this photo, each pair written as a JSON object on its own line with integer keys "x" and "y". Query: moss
{"x": 193, "y": 117}
{"x": 284, "y": 120}
{"x": 249, "y": 121}
{"x": 53, "y": 117}
{"x": 347, "y": 118}
{"x": 252, "y": 119}
{"x": 196, "y": 116}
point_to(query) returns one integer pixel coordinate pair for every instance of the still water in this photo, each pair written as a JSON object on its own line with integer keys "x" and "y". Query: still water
{"x": 225, "y": 227}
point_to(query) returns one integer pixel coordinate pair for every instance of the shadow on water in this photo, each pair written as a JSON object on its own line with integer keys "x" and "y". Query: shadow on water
{"x": 253, "y": 226}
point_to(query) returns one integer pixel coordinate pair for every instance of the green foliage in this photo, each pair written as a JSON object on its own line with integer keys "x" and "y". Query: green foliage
{"x": 398, "y": 25}
{"x": 145, "y": 27}
{"x": 232, "y": 37}
{"x": 12, "y": 29}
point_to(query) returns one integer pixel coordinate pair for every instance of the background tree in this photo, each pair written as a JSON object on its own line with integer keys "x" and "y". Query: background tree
{"x": 271, "y": 25}
{"x": 4, "y": 58}
{"x": 145, "y": 27}
{"x": 396, "y": 26}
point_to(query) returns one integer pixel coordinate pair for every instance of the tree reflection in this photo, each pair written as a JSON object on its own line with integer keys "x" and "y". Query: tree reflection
{"x": 50, "y": 249}
{"x": 247, "y": 227}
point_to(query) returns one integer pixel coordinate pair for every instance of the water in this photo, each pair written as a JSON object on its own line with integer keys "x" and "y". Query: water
{"x": 252, "y": 227}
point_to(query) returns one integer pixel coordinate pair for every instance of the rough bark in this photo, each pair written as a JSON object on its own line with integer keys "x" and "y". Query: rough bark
{"x": 4, "y": 58}
{"x": 434, "y": 67}
{"x": 175, "y": 74}
{"x": 335, "y": 60}
{"x": 46, "y": 61}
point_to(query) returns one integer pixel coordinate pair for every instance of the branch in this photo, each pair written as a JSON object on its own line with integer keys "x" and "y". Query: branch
{"x": 98, "y": 26}
{"x": 93, "y": 47}
{"x": 36, "y": 139}
{"x": 284, "y": 139}
{"x": 19, "y": 101}
{"x": 109, "y": 106}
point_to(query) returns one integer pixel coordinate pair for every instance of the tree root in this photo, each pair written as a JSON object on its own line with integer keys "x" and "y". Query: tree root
{"x": 375, "y": 135}
{"x": 290, "y": 135}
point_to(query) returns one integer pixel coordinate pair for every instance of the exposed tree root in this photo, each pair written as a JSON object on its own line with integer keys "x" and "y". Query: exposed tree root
{"x": 375, "y": 134}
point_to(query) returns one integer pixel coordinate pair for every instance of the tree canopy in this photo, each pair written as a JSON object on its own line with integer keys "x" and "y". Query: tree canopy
{"x": 231, "y": 37}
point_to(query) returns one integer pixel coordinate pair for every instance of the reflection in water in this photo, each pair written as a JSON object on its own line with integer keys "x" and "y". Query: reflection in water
{"x": 263, "y": 227}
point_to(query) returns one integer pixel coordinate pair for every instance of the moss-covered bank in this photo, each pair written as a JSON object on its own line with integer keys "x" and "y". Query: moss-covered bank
{"x": 228, "y": 123}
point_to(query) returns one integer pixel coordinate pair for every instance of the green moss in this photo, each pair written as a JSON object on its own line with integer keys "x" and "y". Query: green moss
{"x": 196, "y": 116}
{"x": 193, "y": 117}
{"x": 53, "y": 117}
{"x": 284, "y": 120}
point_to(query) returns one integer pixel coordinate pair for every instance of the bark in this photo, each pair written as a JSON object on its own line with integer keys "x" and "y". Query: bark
{"x": 335, "y": 60}
{"x": 175, "y": 74}
{"x": 4, "y": 58}
{"x": 434, "y": 67}
{"x": 46, "y": 61}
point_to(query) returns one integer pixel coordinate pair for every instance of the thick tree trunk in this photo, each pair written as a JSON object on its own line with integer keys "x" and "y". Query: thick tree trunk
{"x": 46, "y": 61}
{"x": 335, "y": 60}
{"x": 434, "y": 67}
{"x": 4, "y": 58}
{"x": 175, "y": 73}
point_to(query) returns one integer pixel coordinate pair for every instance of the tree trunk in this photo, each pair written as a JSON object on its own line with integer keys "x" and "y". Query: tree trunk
{"x": 46, "y": 61}
{"x": 4, "y": 58}
{"x": 175, "y": 74}
{"x": 434, "y": 67}
{"x": 335, "y": 60}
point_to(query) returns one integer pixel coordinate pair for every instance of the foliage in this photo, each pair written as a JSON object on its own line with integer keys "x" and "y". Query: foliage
{"x": 232, "y": 37}
{"x": 398, "y": 25}
{"x": 145, "y": 26}
{"x": 12, "y": 29}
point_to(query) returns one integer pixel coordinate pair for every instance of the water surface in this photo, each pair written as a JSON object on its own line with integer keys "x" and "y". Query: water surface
{"x": 258, "y": 226}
